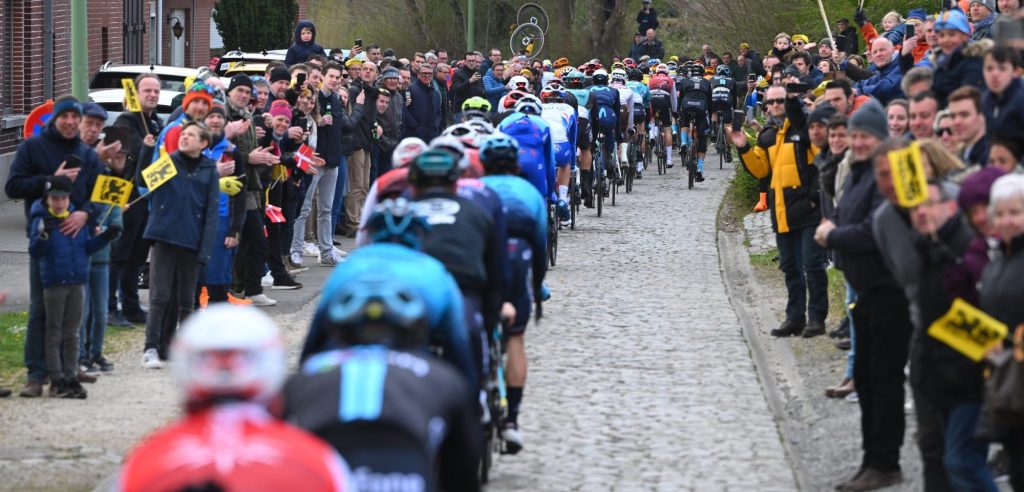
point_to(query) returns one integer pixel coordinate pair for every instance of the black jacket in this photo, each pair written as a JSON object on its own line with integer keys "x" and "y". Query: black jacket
{"x": 653, "y": 49}
{"x": 856, "y": 251}
{"x": 462, "y": 89}
{"x": 134, "y": 122}
{"x": 328, "y": 137}
{"x": 1001, "y": 287}
{"x": 961, "y": 68}
{"x": 646, "y": 20}
{"x": 362, "y": 137}
{"x": 847, "y": 42}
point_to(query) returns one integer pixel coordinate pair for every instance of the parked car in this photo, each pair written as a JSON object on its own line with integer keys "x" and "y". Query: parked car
{"x": 112, "y": 100}
{"x": 109, "y": 76}
{"x": 232, "y": 58}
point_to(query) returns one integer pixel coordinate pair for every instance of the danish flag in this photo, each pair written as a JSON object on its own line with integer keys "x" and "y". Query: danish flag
{"x": 304, "y": 158}
{"x": 275, "y": 214}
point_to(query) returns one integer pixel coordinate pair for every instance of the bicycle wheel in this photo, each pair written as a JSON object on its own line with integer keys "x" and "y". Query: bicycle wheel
{"x": 553, "y": 225}
{"x": 602, "y": 182}
{"x": 615, "y": 183}
{"x": 531, "y": 13}
{"x": 630, "y": 175}
{"x": 528, "y": 40}
{"x": 574, "y": 199}
{"x": 720, "y": 144}
{"x": 691, "y": 165}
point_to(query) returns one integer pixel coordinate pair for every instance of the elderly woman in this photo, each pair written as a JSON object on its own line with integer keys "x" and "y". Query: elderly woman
{"x": 1002, "y": 291}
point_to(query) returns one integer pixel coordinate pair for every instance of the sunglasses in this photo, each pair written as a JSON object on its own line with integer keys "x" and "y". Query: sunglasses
{"x": 799, "y": 43}
{"x": 943, "y": 131}
{"x": 769, "y": 102}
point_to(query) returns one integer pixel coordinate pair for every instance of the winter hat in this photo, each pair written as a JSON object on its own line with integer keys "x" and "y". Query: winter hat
{"x": 198, "y": 91}
{"x": 989, "y": 4}
{"x": 94, "y": 110}
{"x": 240, "y": 80}
{"x": 67, "y": 103}
{"x": 976, "y": 188}
{"x": 801, "y": 37}
{"x": 279, "y": 74}
{"x": 826, "y": 42}
{"x": 390, "y": 73}
{"x": 58, "y": 186}
{"x": 870, "y": 118}
{"x": 919, "y": 14}
{"x": 218, "y": 108}
{"x": 821, "y": 114}
{"x": 744, "y": 46}
{"x": 280, "y": 107}
{"x": 792, "y": 71}
{"x": 953, "y": 20}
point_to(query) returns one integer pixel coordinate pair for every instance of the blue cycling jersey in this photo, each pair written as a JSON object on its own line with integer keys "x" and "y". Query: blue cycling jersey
{"x": 525, "y": 213}
{"x": 604, "y": 106}
{"x": 582, "y": 96}
{"x": 641, "y": 89}
{"x": 536, "y": 149}
{"x": 446, "y": 316}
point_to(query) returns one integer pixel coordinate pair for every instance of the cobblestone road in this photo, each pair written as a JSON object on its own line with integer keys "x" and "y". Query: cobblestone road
{"x": 640, "y": 378}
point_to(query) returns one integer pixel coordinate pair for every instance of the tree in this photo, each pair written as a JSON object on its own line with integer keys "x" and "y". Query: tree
{"x": 273, "y": 28}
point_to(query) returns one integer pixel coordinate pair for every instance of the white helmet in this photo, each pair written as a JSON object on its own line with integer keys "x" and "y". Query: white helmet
{"x": 483, "y": 128}
{"x": 407, "y": 150}
{"x": 465, "y": 132}
{"x": 519, "y": 80}
{"x": 228, "y": 351}
{"x": 453, "y": 145}
{"x": 529, "y": 104}
{"x": 618, "y": 75}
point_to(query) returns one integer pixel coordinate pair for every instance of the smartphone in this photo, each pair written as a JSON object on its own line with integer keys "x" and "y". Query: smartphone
{"x": 752, "y": 77}
{"x": 73, "y": 162}
{"x": 909, "y": 31}
{"x": 300, "y": 79}
{"x": 359, "y": 42}
{"x": 113, "y": 134}
{"x": 737, "y": 119}
{"x": 798, "y": 88}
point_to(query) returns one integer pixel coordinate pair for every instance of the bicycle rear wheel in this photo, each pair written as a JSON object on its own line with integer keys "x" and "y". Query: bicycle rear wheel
{"x": 615, "y": 184}
{"x": 553, "y": 226}
{"x": 630, "y": 174}
{"x": 574, "y": 199}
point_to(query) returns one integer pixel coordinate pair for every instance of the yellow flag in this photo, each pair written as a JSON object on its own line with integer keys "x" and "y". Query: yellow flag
{"x": 968, "y": 330}
{"x": 131, "y": 96}
{"x": 159, "y": 172}
{"x": 111, "y": 190}
{"x": 908, "y": 176}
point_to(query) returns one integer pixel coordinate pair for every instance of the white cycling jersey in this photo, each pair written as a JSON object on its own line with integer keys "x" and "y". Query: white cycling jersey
{"x": 559, "y": 117}
{"x": 626, "y": 98}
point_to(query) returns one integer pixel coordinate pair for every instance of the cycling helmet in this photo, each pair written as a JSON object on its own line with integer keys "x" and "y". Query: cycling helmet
{"x": 696, "y": 70}
{"x": 551, "y": 95}
{"x": 519, "y": 82}
{"x": 228, "y": 352}
{"x": 629, "y": 63}
{"x": 478, "y": 103}
{"x": 454, "y": 147}
{"x": 600, "y": 77}
{"x": 556, "y": 83}
{"x": 529, "y": 105}
{"x": 661, "y": 69}
{"x": 673, "y": 59}
{"x": 634, "y": 74}
{"x": 618, "y": 75}
{"x": 575, "y": 79}
{"x": 393, "y": 221}
{"x": 618, "y": 65}
{"x": 672, "y": 65}
{"x": 465, "y": 133}
{"x": 483, "y": 127}
{"x": 378, "y": 309}
{"x": 435, "y": 165}
{"x": 561, "y": 62}
{"x": 654, "y": 62}
{"x": 513, "y": 97}
{"x": 407, "y": 150}
{"x": 724, "y": 71}
{"x": 709, "y": 71}
{"x": 500, "y": 153}
{"x": 475, "y": 115}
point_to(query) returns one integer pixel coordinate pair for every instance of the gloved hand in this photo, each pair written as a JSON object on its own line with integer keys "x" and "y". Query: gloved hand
{"x": 861, "y": 17}
{"x": 111, "y": 232}
{"x": 230, "y": 185}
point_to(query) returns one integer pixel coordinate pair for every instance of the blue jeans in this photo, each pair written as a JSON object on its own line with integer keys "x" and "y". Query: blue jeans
{"x": 802, "y": 262}
{"x": 965, "y": 457}
{"x": 851, "y": 298}
{"x": 94, "y": 312}
{"x": 35, "y": 344}
{"x": 338, "y": 207}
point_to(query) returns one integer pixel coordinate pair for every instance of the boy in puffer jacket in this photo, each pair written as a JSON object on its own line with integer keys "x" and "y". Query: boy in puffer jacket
{"x": 63, "y": 271}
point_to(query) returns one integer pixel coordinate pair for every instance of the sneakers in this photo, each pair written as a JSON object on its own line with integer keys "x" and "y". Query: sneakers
{"x": 294, "y": 263}
{"x": 151, "y": 360}
{"x": 871, "y": 479}
{"x": 116, "y": 319}
{"x": 74, "y": 390}
{"x": 267, "y": 280}
{"x": 331, "y": 260}
{"x": 309, "y": 249}
{"x": 286, "y": 283}
{"x": 261, "y": 300}
{"x": 339, "y": 253}
{"x": 32, "y": 389}
{"x": 103, "y": 364}
{"x": 238, "y": 301}
{"x": 58, "y": 388}
{"x": 512, "y": 437}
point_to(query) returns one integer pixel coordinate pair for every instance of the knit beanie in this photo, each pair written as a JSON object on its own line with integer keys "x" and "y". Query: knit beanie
{"x": 870, "y": 119}
{"x": 280, "y": 107}
{"x": 821, "y": 114}
{"x": 218, "y": 108}
{"x": 240, "y": 80}
{"x": 976, "y": 188}
{"x": 198, "y": 91}
{"x": 65, "y": 104}
{"x": 278, "y": 74}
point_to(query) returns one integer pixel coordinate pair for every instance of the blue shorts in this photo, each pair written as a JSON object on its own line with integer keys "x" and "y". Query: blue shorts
{"x": 565, "y": 155}
{"x": 520, "y": 262}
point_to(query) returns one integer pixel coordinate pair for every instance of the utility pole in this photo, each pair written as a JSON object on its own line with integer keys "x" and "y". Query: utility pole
{"x": 470, "y": 42}
{"x": 79, "y": 51}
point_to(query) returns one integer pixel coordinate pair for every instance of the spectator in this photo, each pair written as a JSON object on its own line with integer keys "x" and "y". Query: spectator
{"x": 425, "y": 110}
{"x": 916, "y": 81}
{"x": 493, "y": 58}
{"x": 923, "y": 108}
{"x": 884, "y": 85}
{"x": 962, "y": 62}
{"x": 753, "y": 57}
{"x": 794, "y": 208}
{"x": 373, "y": 54}
{"x": 809, "y": 74}
{"x": 647, "y": 18}
{"x": 466, "y": 83}
{"x": 1005, "y": 154}
{"x": 944, "y": 131}
{"x": 304, "y": 44}
{"x": 494, "y": 85}
{"x": 359, "y": 165}
{"x": 63, "y": 270}
{"x": 897, "y": 114}
{"x": 442, "y": 56}
{"x": 881, "y": 314}
{"x": 983, "y": 13}
{"x": 824, "y": 50}
{"x": 846, "y": 37}
{"x": 709, "y": 57}
{"x": 635, "y": 47}
{"x": 651, "y": 46}
{"x": 350, "y": 118}
{"x": 1003, "y": 101}
{"x": 390, "y": 120}
{"x": 969, "y": 125}
{"x": 782, "y": 47}
{"x": 41, "y": 156}
{"x": 441, "y": 82}
{"x": 182, "y": 227}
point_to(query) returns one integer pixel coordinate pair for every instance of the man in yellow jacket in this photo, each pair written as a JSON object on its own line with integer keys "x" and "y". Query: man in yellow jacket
{"x": 784, "y": 152}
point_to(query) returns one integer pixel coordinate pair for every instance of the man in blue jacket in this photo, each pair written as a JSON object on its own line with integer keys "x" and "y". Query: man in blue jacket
{"x": 304, "y": 44}
{"x": 884, "y": 85}
{"x": 425, "y": 109}
{"x": 56, "y": 151}
{"x": 182, "y": 227}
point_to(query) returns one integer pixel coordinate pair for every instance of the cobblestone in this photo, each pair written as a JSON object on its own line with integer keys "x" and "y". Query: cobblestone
{"x": 759, "y": 232}
{"x": 640, "y": 378}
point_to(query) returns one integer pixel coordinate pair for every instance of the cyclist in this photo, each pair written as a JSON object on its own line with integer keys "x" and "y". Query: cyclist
{"x": 229, "y": 361}
{"x": 641, "y": 108}
{"x": 536, "y": 149}
{"x": 561, "y": 118}
{"x": 663, "y": 104}
{"x": 693, "y": 108}
{"x": 508, "y": 103}
{"x": 399, "y": 416}
{"x": 527, "y": 256}
{"x": 604, "y": 104}
{"x": 391, "y": 184}
{"x": 724, "y": 95}
{"x": 575, "y": 81}
{"x": 627, "y": 100}
{"x": 477, "y": 108}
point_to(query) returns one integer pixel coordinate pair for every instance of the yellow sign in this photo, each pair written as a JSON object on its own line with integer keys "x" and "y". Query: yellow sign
{"x": 131, "y": 96}
{"x": 968, "y": 330}
{"x": 111, "y": 190}
{"x": 159, "y": 172}
{"x": 908, "y": 176}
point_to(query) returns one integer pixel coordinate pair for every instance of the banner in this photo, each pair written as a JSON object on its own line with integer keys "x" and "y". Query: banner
{"x": 111, "y": 190}
{"x": 131, "y": 96}
{"x": 968, "y": 330}
{"x": 159, "y": 172}
{"x": 908, "y": 176}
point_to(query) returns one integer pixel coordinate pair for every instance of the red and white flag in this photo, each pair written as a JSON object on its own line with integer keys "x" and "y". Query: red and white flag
{"x": 275, "y": 214}
{"x": 304, "y": 158}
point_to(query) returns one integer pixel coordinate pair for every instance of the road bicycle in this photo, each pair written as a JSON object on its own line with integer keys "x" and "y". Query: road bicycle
{"x": 721, "y": 144}
{"x": 575, "y": 197}
{"x": 497, "y": 405}
{"x": 659, "y": 151}
{"x": 553, "y": 226}
{"x": 600, "y": 180}
{"x": 690, "y": 157}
